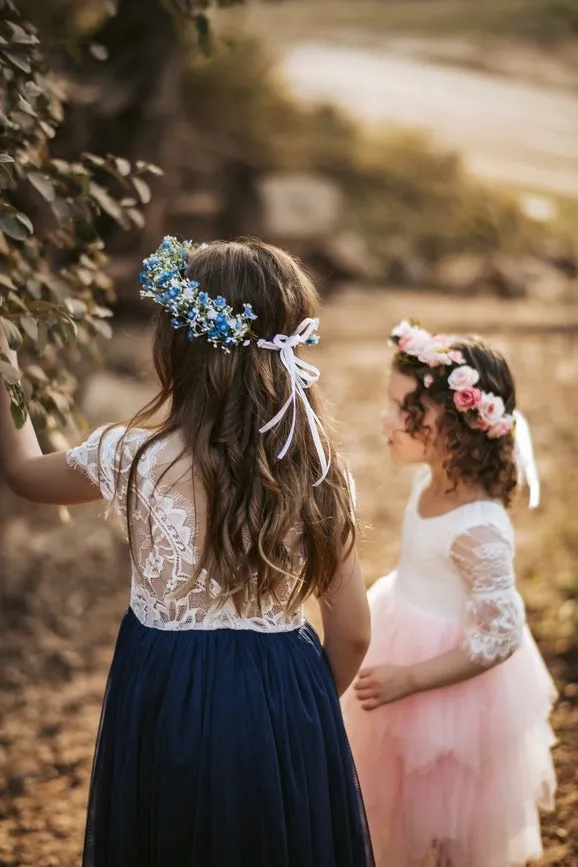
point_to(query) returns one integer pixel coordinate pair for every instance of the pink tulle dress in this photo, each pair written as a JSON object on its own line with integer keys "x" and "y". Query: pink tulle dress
{"x": 456, "y": 776}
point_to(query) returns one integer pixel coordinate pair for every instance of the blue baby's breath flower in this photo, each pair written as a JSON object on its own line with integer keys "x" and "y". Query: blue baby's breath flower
{"x": 164, "y": 279}
{"x": 222, "y": 323}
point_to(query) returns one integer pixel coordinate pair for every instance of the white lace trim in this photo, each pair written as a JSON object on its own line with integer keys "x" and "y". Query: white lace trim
{"x": 182, "y": 614}
{"x": 164, "y": 531}
{"x": 495, "y": 616}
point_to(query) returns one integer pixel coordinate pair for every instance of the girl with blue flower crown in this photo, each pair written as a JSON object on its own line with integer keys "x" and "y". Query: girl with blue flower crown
{"x": 221, "y": 742}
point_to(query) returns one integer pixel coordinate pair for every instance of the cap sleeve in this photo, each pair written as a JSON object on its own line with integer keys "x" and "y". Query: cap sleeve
{"x": 98, "y": 458}
{"x": 494, "y": 617}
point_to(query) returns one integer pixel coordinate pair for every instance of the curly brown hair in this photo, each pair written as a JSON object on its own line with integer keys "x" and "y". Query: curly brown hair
{"x": 473, "y": 457}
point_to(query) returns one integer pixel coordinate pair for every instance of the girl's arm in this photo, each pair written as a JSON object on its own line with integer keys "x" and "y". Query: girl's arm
{"x": 493, "y": 624}
{"x": 29, "y": 473}
{"x": 346, "y": 626}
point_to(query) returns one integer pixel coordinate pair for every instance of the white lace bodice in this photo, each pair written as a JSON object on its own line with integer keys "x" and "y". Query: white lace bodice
{"x": 460, "y": 566}
{"x": 166, "y": 530}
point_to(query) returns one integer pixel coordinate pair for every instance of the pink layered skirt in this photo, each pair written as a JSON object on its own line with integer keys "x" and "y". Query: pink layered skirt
{"x": 454, "y": 776}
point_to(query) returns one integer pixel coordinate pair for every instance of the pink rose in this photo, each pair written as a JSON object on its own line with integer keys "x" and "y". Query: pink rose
{"x": 462, "y": 378}
{"x": 428, "y": 380}
{"x": 491, "y": 408}
{"x": 456, "y": 356}
{"x": 467, "y": 398}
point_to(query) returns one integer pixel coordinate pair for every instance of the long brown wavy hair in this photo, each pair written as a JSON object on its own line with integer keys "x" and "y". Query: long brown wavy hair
{"x": 217, "y": 402}
{"x": 472, "y": 457}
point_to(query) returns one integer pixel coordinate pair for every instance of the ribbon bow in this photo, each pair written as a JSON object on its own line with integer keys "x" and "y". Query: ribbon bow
{"x": 302, "y": 376}
{"x": 525, "y": 458}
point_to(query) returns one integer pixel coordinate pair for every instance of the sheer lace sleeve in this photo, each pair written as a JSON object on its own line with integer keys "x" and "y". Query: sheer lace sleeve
{"x": 494, "y": 619}
{"x": 97, "y": 457}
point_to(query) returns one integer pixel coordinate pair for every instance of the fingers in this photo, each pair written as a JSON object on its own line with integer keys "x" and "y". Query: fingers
{"x": 366, "y": 688}
{"x": 371, "y": 703}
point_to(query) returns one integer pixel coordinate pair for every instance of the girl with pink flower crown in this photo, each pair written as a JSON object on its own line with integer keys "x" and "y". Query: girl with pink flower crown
{"x": 448, "y": 717}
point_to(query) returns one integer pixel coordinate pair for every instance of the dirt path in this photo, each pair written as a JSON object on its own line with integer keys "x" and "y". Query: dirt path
{"x": 65, "y": 586}
{"x": 509, "y": 131}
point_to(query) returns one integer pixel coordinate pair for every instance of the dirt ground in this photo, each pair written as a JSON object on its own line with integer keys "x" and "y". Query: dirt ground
{"x": 65, "y": 583}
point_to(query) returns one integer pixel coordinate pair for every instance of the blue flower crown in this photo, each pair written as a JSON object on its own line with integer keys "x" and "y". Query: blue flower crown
{"x": 164, "y": 280}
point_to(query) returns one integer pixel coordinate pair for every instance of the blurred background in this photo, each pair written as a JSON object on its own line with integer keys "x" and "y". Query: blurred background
{"x": 421, "y": 157}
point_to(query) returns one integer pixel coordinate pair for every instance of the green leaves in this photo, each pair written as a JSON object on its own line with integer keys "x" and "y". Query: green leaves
{"x": 43, "y": 184}
{"x": 15, "y": 224}
{"x": 12, "y": 333}
{"x": 48, "y": 308}
{"x": 18, "y": 406}
{"x": 8, "y": 373}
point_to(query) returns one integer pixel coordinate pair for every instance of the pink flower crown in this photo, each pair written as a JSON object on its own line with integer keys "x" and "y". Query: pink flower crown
{"x": 482, "y": 410}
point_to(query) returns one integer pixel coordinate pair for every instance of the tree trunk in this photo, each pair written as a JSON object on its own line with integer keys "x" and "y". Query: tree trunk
{"x": 130, "y": 105}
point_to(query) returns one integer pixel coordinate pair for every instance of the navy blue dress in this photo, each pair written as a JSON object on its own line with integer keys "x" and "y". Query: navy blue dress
{"x": 221, "y": 742}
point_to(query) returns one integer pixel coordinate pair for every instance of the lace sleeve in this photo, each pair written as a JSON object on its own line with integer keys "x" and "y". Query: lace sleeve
{"x": 494, "y": 618}
{"x": 97, "y": 458}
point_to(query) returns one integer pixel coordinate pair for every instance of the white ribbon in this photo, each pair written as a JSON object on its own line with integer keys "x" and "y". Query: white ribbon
{"x": 302, "y": 376}
{"x": 525, "y": 458}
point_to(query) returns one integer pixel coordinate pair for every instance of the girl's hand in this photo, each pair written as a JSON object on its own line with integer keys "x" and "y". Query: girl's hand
{"x": 383, "y": 684}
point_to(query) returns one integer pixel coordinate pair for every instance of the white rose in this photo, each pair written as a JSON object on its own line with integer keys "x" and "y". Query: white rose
{"x": 435, "y": 352}
{"x": 414, "y": 341}
{"x": 404, "y": 329}
{"x": 491, "y": 408}
{"x": 462, "y": 378}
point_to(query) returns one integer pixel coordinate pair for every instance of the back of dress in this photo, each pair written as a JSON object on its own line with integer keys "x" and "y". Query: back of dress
{"x": 168, "y": 521}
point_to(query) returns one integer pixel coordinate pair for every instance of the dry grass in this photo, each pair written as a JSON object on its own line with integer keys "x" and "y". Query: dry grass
{"x": 66, "y": 585}
{"x": 533, "y": 40}
{"x": 515, "y": 18}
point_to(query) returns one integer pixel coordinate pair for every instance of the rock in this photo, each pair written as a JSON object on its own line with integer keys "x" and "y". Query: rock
{"x": 410, "y": 270}
{"x": 295, "y": 207}
{"x": 349, "y": 254}
{"x": 506, "y": 276}
{"x": 502, "y": 276}
{"x": 459, "y": 273}
{"x": 547, "y": 282}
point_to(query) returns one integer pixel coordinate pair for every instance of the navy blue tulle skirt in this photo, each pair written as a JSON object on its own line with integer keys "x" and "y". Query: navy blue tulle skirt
{"x": 222, "y": 749}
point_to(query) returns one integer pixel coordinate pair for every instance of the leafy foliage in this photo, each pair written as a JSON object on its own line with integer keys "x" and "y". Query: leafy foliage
{"x": 53, "y": 292}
